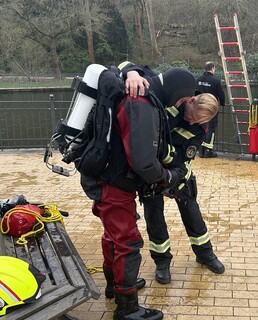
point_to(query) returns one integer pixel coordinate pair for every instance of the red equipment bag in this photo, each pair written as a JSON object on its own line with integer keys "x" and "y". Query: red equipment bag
{"x": 253, "y": 141}
{"x": 20, "y": 219}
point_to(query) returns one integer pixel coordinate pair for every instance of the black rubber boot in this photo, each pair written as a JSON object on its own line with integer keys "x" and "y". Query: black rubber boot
{"x": 212, "y": 263}
{"x": 109, "y": 290}
{"x": 209, "y": 153}
{"x": 201, "y": 151}
{"x": 163, "y": 274}
{"x": 129, "y": 309}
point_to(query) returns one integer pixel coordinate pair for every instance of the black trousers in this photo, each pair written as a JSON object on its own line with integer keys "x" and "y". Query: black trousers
{"x": 210, "y": 135}
{"x": 192, "y": 219}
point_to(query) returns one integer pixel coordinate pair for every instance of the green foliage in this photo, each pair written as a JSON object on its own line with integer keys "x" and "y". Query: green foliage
{"x": 48, "y": 35}
{"x": 161, "y": 68}
{"x": 4, "y": 64}
{"x": 180, "y": 63}
{"x": 115, "y": 36}
{"x": 252, "y": 65}
{"x": 104, "y": 53}
{"x": 165, "y": 66}
{"x": 74, "y": 62}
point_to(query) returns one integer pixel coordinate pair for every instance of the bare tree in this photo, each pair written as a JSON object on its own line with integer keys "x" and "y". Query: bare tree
{"x": 92, "y": 19}
{"x": 32, "y": 31}
{"x": 46, "y": 22}
{"x": 21, "y": 54}
{"x": 155, "y": 51}
{"x": 138, "y": 18}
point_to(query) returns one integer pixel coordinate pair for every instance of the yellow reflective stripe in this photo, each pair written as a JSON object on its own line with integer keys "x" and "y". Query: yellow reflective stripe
{"x": 159, "y": 248}
{"x": 168, "y": 159}
{"x": 187, "y": 176}
{"x": 123, "y": 64}
{"x": 210, "y": 144}
{"x": 253, "y": 115}
{"x": 172, "y": 110}
{"x": 184, "y": 133}
{"x": 198, "y": 241}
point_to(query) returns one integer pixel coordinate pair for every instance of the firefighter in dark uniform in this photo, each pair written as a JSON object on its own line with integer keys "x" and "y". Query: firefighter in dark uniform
{"x": 187, "y": 136}
{"x": 208, "y": 83}
{"x": 186, "y": 141}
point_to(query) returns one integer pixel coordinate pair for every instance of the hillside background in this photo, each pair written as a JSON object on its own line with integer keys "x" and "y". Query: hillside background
{"x": 62, "y": 37}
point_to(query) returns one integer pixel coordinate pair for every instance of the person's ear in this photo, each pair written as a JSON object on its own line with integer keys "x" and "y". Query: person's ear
{"x": 192, "y": 99}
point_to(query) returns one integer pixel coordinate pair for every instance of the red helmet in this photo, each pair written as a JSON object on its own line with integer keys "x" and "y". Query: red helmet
{"x": 20, "y": 219}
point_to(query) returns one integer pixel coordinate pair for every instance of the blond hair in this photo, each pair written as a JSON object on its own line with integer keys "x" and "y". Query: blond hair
{"x": 206, "y": 106}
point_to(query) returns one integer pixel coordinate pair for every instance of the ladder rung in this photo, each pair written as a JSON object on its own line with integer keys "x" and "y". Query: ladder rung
{"x": 242, "y": 111}
{"x": 243, "y": 133}
{"x": 235, "y": 72}
{"x": 230, "y": 83}
{"x": 240, "y": 99}
{"x": 242, "y": 122}
{"x": 232, "y": 58}
{"x": 227, "y": 28}
{"x": 230, "y": 43}
{"x": 237, "y": 86}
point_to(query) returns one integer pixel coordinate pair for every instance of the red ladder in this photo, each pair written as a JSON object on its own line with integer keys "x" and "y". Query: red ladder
{"x": 236, "y": 76}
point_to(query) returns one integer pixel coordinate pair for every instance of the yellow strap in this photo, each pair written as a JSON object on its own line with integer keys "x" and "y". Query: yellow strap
{"x": 94, "y": 269}
{"x": 53, "y": 214}
{"x": 253, "y": 115}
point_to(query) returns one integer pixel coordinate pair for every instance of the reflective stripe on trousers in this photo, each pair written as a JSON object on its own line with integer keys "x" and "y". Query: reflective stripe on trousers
{"x": 159, "y": 248}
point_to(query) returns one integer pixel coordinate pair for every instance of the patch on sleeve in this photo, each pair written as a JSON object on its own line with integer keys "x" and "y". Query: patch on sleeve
{"x": 191, "y": 152}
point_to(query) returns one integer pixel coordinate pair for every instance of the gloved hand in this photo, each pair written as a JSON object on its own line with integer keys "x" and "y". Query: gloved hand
{"x": 170, "y": 192}
{"x": 173, "y": 177}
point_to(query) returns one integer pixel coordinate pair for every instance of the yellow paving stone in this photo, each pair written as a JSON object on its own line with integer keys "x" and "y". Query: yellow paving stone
{"x": 216, "y": 293}
{"x": 228, "y": 198}
{"x": 179, "y": 309}
{"x": 252, "y": 287}
{"x": 200, "y": 284}
{"x": 246, "y": 311}
{"x": 232, "y": 318}
{"x": 214, "y": 310}
{"x": 193, "y": 317}
{"x": 232, "y": 302}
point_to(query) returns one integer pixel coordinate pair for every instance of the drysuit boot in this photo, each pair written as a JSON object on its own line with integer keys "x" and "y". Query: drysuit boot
{"x": 109, "y": 290}
{"x": 129, "y": 309}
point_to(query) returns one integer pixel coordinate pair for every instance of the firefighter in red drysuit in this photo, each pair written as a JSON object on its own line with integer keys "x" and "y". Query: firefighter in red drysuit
{"x": 136, "y": 146}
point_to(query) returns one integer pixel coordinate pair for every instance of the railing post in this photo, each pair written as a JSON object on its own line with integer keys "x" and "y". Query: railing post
{"x": 53, "y": 114}
{"x": 52, "y": 111}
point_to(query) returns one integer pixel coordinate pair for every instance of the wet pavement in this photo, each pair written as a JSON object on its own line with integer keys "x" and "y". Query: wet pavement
{"x": 228, "y": 197}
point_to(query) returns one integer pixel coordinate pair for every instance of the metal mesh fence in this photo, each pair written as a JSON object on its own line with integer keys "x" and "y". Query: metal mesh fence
{"x": 30, "y": 124}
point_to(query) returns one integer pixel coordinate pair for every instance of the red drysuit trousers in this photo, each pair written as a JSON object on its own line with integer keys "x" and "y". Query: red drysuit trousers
{"x": 121, "y": 240}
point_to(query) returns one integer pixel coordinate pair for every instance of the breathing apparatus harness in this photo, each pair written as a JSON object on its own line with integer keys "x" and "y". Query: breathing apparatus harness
{"x": 70, "y": 133}
{"x": 68, "y": 146}
{"x": 150, "y": 190}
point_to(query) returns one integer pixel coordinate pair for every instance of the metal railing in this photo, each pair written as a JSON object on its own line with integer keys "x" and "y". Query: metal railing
{"x": 30, "y": 124}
